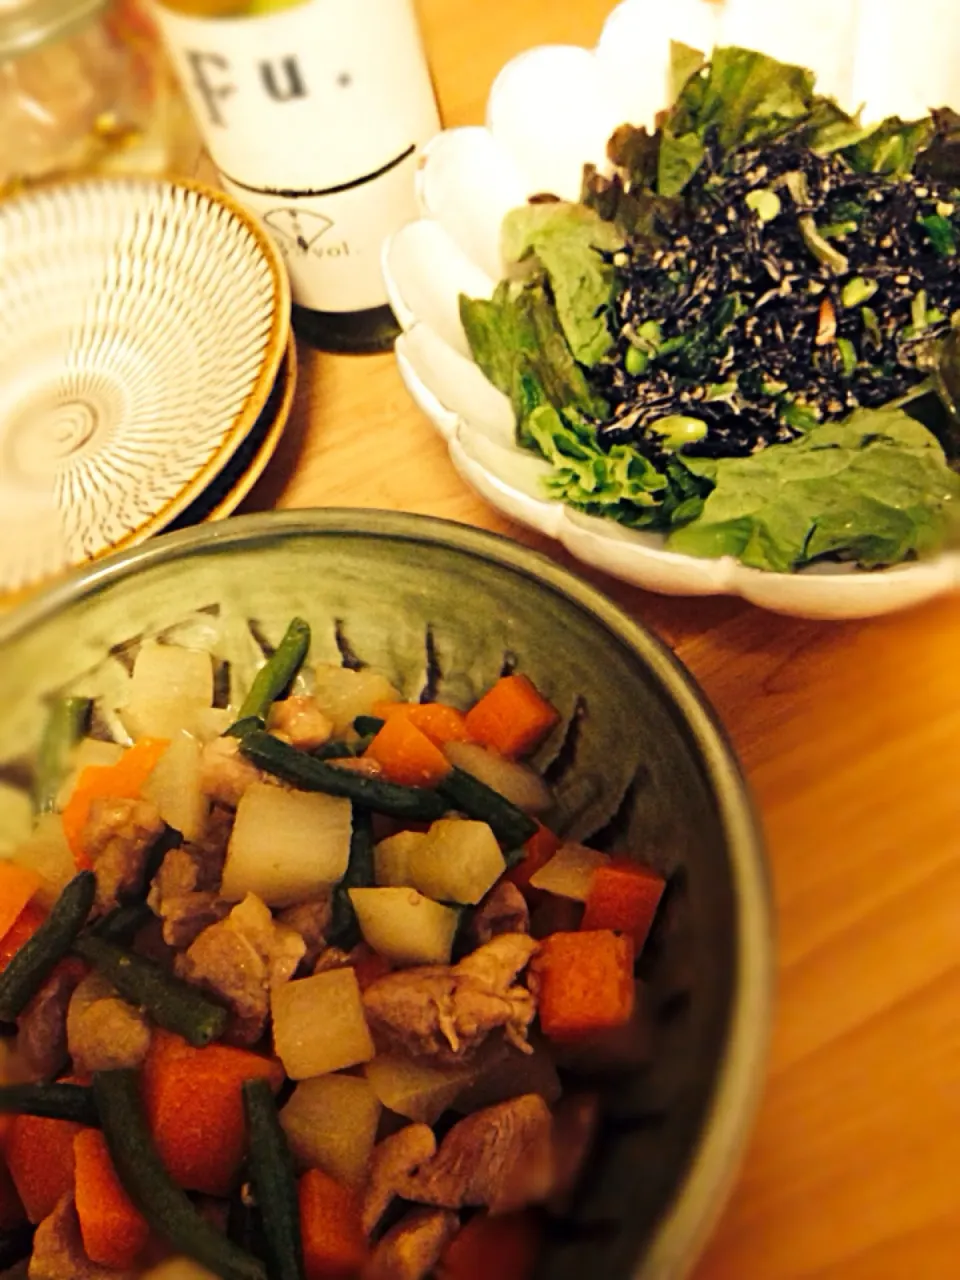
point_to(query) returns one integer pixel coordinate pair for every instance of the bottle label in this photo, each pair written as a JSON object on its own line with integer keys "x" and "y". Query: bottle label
{"x": 314, "y": 117}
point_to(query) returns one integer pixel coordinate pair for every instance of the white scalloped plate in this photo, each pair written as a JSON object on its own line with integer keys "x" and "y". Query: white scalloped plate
{"x": 550, "y": 111}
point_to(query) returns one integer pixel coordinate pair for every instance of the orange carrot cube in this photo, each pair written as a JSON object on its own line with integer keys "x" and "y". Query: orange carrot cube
{"x": 624, "y": 896}
{"x": 17, "y": 886}
{"x": 22, "y": 930}
{"x": 441, "y": 724}
{"x": 585, "y": 982}
{"x": 501, "y": 1248}
{"x": 113, "y": 1229}
{"x": 512, "y": 717}
{"x": 194, "y": 1104}
{"x": 334, "y": 1245}
{"x": 40, "y": 1158}
{"x": 407, "y": 755}
{"x": 121, "y": 781}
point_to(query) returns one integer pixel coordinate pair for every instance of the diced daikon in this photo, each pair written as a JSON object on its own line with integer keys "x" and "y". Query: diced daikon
{"x": 391, "y": 859}
{"x": 570, "y": 871}
{"x": 405, "y": 927}
{"x": 415, "y": 1089}
{"x": 343, "y": 694}
{"x": 459, "y": 861}
{"x": 331, "y": 1124}
{"x": 286, "y": 845}
{"x": 46, "y": 851}
{"x": 319, "y": 1025}
{"x": 170, "y": 671}
{"x": 175, "y": 787}
{"x": 517, "y": 783}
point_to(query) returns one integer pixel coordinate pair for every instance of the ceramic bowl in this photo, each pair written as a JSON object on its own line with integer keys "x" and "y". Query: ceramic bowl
{"x": 638, "y": 764}
{"x": 142, "y": 327}
{"x": 550, "y": 111}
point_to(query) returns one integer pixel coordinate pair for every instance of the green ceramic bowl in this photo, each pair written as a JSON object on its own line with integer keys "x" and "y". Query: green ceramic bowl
{"x": 639, "y": 765}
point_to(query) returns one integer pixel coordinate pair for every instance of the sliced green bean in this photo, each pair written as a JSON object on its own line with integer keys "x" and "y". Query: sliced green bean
{"x": 510, "y": 825}
{"x": 123, "y": 923}
{"x": 344, "y": 929}
{"x": 170, "y": 1002}
{"x": 143, "y": 1176}
{"x": 278, "y": 673}
{"x": 66, "y": 724}
{"x": 30, "y": 967}
{"x": 54, "y": 1101}
{"x": 274, "y": 1182}
{"x": 309, "y": 774}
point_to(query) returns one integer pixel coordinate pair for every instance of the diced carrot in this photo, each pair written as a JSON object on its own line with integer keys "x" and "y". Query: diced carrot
{"x": 12, "y": 1212}
{"x": 40, "y": 1159}
{"x": 539, "y": 849}
{"x": 441, "y": 724}
{"x": 586, "y": 983}
{"x": 624, "y": 896}
{"x": 114, "y": 1232}
{"x": 17, "y": 886}
{"x": 22, "y": 930}
{"x": 512, "y": 717}
{"x": 121, "y": 781}
{"x": 407, "y": 755}
{"x": 334, "y": 1246}
{"x": 502, "y": 1248}
{"x": 194, "y": 1104}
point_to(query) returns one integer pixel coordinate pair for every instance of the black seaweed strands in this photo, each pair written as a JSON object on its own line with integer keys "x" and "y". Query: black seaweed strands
{"x": 789, "y": 289}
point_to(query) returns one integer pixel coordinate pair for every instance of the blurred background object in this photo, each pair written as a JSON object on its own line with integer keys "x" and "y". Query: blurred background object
{"x": 313, "y": 112}
{"x": 85, "y": 88}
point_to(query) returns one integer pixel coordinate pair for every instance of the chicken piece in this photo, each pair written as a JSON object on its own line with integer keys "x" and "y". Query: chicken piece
{"x": 211, "y": 848}
{"x": 411, "y": 1249}
{"x": 117, "y": 838}
{"x": 301, "y": 722}
{"x": 104, "y": 1033}
{"x": 392, "y": 1164}
{"x": 42, "y": 1027}
{"x": 446, "y": 1012}
{"x": 332, "y": 958}
{"x": 576, "y": 1122}
{"x": 224, "y": 773}
{"x": 241, "y": 960}
{"x": 503, "y": 910}
{"x": 182, "y": 895}
{"x": 312, "y": 921}
{"x": 501, "y": 1158}
{"x": 58, "y": 1252}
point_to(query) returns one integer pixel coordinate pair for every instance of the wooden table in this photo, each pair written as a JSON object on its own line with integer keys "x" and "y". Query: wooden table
{"x": 850, "y": 735}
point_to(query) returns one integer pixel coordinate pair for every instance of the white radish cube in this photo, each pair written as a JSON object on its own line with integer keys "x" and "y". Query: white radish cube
{"x": 175, "y": 788}
{"x": 286, "y": 846}
{"x": 342, "y": 694}
{"x": 570, "y": 871}
{"x": 319, "y": 1025}
{"x": 459, "y": 861}
{"x": 405, "y": 927}
{"x": 391, "y": 858}
{"x": 331, "y": 1124}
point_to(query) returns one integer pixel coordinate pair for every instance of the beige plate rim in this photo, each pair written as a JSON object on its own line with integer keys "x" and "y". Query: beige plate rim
{"x": 274, "y": 354}
{"x": 288, "y": 373}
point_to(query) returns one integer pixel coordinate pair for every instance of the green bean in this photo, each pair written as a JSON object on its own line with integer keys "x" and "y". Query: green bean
{"x": 123, "y": 923}
{"x": 279, "y": 672}
{"x": 344, "y": 929}
{"x": 30, "y": 967}
{"x": 170, "y": 1002}
{"x": 66, "y": 724}
{"x": 510, "y": 825}
{"x": 309, "y": 774}
{"x": 274, "y": 1182}
{"x": 54, "y": 1101}
{"x": 143, "y": 1176}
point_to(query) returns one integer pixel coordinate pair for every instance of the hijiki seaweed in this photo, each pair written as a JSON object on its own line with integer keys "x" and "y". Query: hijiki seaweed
{"x": 821, "y": 285}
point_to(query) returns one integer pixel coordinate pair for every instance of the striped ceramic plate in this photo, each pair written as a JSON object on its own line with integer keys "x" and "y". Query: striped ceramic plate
{"x": 142, "y": 327}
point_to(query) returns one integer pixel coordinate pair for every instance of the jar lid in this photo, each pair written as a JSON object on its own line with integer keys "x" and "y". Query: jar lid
{"x": 25, "y": 24}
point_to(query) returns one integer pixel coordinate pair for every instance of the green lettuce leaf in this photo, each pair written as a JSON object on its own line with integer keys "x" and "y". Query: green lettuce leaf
{"x": 874, "y": 489}
{"x": 941, "y": 158}
{"x": 891, "y": 147}
{"x": 516, "y": 333}
{"x": 573, "y": 245}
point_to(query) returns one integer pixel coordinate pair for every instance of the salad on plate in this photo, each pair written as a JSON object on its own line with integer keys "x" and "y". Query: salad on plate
{"x": 746, "y": 334}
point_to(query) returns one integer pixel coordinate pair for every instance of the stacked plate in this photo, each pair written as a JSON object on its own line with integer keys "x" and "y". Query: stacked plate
{"x": 147, "y": 368}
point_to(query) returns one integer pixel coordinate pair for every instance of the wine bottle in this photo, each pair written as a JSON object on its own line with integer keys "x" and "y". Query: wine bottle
{"x": 314, "y": 112}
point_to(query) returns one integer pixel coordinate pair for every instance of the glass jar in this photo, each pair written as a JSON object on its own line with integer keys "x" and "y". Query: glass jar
{"x": 84, "y": 88}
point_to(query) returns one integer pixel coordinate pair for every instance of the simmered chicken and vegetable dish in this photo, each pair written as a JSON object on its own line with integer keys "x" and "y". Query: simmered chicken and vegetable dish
{"x": 303, "y": 989}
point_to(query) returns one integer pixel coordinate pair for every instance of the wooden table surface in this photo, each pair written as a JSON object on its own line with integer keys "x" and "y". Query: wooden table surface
{"x": 850, "y": 735}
